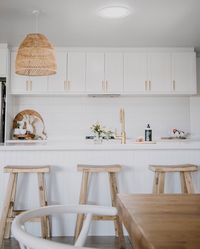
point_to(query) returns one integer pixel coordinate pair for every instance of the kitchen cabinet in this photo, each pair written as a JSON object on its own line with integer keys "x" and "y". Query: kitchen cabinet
{"x": 3, "y": 62}
{"x": 159, "y": 72}
{"x": 184, "y": 73}
{"x": 113, "y": 72}
{"x": 70, "y": 75}
{"x": 76, "y": 72}
{"x": 135, "y": 73}
{"x": 26, "y": 84}
{"x": 58, "y": 81}
{"x": 95, "y": 72}
{"x": 104, "y": 72}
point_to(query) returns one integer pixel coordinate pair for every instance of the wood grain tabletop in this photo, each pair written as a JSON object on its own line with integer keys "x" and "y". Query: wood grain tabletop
{"x": 161, "y": 221}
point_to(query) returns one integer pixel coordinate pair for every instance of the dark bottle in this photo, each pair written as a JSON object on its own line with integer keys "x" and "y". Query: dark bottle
{"x": 148, "y": 133}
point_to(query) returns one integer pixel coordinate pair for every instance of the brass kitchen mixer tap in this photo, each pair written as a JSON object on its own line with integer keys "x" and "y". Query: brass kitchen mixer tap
{"x": 122, "y": 122}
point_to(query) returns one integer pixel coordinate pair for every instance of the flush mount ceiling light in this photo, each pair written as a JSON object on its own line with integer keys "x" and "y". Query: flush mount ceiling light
{"x": 114, "y": 12}
{"x": 35, "y": 56}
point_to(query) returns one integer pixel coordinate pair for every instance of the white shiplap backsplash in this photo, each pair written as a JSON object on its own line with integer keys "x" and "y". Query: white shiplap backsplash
{"x": 70, "y": 117}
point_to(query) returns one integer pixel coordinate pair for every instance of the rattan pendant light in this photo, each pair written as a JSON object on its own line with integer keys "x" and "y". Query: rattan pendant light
{"x": 36, "y": 55}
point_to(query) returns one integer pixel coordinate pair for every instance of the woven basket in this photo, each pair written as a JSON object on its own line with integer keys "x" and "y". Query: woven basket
{"x": 35, "y": 56}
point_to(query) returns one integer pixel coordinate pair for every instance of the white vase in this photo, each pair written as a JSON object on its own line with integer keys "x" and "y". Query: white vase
{"x": 98, "y": 139}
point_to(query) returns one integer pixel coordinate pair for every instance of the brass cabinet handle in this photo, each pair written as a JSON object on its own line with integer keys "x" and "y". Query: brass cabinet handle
{"x": 146, "y": 85}
{"x": 27, "y": 85}
{"x": 106, "y": 86}
{"x": 65, "y": 85}
{"x": 149, "y": 85}
{"x": 69, "y": 84}
{"x": 103, "y": 85}
{"x": 174, "y": 85}
{"x": 30, "y": 85}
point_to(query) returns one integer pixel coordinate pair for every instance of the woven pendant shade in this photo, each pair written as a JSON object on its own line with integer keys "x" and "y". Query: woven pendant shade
{"x": 35, "y": 56}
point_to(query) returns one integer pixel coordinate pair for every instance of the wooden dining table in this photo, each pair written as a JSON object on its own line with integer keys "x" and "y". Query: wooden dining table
{"x": 161, "y": 221}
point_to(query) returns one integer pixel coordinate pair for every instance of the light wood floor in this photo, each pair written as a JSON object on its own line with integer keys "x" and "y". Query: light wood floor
{"x": 92, "y": 241}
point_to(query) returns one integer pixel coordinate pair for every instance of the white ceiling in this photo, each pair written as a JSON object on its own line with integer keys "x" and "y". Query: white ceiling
{"x": 75, "y": 22}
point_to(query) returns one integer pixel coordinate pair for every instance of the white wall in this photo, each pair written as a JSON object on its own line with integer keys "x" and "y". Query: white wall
{"x": 67, "y": 117}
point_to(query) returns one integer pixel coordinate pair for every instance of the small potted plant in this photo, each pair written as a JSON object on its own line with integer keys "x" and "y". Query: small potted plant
{"x": 100, "y": 133}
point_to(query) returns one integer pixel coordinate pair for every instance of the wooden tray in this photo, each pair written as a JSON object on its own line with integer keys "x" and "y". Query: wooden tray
{"x": 173, "y": 138}
{"x": 25, "y": 137}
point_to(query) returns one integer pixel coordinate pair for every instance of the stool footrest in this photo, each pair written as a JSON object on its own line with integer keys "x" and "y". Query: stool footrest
{"x": 10, "y": 219}
{"x": 106, "y": 217}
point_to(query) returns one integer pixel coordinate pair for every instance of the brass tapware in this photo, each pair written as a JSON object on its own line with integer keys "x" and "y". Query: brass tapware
{"x": 123, "y": 132}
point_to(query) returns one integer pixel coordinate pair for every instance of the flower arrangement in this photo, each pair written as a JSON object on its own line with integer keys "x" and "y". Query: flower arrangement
{"x": 100, "y": 131}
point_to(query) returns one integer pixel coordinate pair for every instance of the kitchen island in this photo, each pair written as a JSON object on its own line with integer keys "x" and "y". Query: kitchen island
{"x": 64, "y": 181}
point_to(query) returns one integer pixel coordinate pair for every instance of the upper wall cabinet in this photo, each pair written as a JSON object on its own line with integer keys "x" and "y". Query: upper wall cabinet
{"x": 135, "y": 73}
{"x": 70, "y": 75}
{"x": 26, "y": 84}
{"x": 113, "y": 72}
{"x": 76, "y": 72}
{"x": 58, "y": 81}
{"x": 184, "y": 73}
{"x": 95, "y": 72}
{"x": 104, "y": 72}
{"x": 161, "y": 71}
{"x": 3, "y": 62}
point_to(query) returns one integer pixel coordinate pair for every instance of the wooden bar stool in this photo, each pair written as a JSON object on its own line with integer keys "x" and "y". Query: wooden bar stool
{"x": 185, "y": 177}
{"x": 111, "y": 170}
{"x": 8, "y": 212}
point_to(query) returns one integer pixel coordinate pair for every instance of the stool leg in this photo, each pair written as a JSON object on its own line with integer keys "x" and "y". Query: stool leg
{"x": 45, "y": 223}
{"x": 188, "y": 182}
{"x": 161, "y": 183}
{"x": 82, "y": 200}
{"x": 6, "y": 207}
{"x": 11, "y": 209}
{"x": 183, "y": 183}
{"x": 117, "y": 223}
{"x": 155, "y": 183}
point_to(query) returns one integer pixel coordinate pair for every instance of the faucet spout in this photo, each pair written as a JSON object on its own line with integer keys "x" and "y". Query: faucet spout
{"x": 122, "y": 122}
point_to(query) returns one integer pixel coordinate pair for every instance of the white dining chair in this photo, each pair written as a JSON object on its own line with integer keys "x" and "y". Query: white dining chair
{"x": 27, "y": 240}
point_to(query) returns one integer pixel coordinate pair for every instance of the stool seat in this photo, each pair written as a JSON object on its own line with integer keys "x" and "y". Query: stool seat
{"x": 27, "y": 169}
{"x": 174, "y": 168}
{"x": 99, "y": 168}
{"x": 185, "y": 176}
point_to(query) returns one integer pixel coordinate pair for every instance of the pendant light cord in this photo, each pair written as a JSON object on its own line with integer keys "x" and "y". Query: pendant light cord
{"x": 36, "y": 14}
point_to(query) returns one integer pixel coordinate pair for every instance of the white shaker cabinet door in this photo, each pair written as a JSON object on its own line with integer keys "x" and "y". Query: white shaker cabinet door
{"x": 135, "y": 72}
{"x": 3, "y": 62}
{"x": 26, "y": 84}
{"x": 114, "y": 72}
{"x": 184, "y": 72}
{"x": 95, "y": 81}
{"x": 57, "y": 82}
{"x": 76, "y": 71}
{"x": 159, "y": 71}
{"x": 38, "y": 84}
{"x": 19, "y": 83}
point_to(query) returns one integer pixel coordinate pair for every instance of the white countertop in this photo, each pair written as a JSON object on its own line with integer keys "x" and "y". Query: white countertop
{"x": 189, "y": 144}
